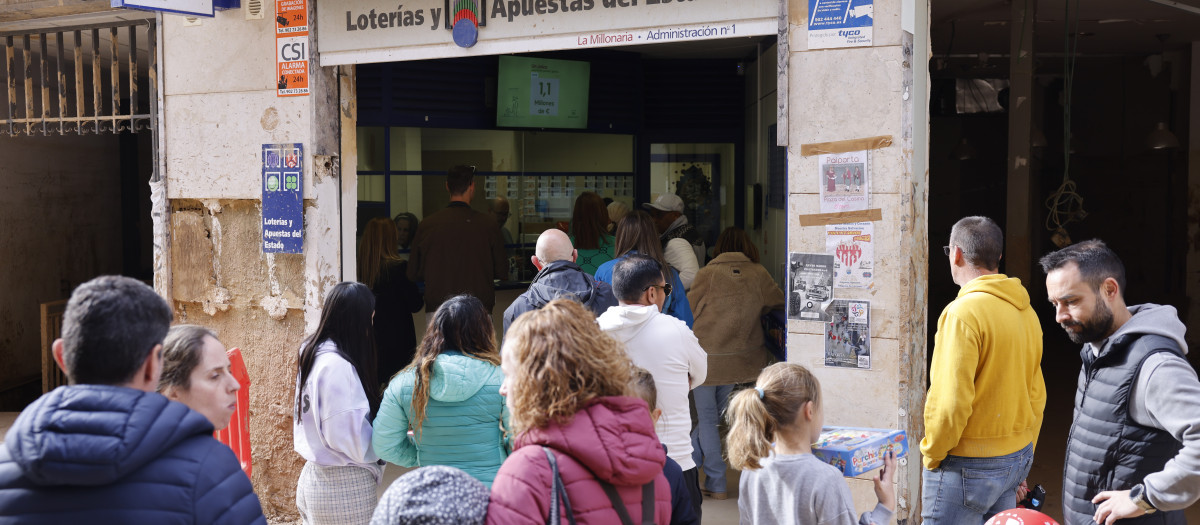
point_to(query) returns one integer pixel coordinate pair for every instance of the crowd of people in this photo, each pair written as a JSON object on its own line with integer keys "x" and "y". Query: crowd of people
{"x": 604, "y": 401}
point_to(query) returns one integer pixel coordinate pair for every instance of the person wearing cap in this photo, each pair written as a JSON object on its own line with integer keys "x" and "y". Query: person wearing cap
{"x": 683, "y": 248}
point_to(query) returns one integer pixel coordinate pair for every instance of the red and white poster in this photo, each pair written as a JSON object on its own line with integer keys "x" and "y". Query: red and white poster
{"x": 291, "y": 47}
{"x": 853, "y": 254}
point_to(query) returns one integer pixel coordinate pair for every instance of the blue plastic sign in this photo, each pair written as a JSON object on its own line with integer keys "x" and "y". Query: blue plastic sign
{"x": 283, "y": 198}
{"x": 183, "y": 7}
{"x": 840, "y": 23}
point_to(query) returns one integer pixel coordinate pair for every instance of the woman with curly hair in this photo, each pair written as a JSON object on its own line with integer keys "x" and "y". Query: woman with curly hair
{"x": 448, "y": 398}
{"x": 567, "y": 386}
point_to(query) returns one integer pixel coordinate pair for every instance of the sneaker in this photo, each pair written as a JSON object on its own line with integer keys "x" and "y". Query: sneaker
{"x": 715, "y": 495}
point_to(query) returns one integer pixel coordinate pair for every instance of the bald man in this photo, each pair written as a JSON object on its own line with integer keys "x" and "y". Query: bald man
{"x": 559, "y": 276}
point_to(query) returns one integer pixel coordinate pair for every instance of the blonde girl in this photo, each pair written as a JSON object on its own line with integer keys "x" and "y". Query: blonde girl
{"x": 771, "y": 431}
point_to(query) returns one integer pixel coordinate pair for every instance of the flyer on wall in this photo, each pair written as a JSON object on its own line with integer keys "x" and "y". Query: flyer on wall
{"x": 853, "y": 254}
{"x": 840, "y": 23}
{"x": 848, "y": 334}
{"x": 810, "y": 286}
{"x": 845, "y": 178}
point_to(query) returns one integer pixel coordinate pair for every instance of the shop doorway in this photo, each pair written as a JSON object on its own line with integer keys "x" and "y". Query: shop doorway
{"x": 78, "y": 154}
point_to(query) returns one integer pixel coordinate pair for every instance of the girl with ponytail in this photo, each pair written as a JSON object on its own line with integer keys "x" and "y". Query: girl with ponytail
{"x": 445, "y": 408}
{"x": 771, "y": 431}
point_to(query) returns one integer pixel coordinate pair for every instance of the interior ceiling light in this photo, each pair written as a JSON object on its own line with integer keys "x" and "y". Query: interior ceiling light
{"x": 1162, "y": 138}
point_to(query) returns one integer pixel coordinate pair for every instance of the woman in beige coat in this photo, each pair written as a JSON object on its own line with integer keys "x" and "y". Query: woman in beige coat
{"x": 728, "y": 296}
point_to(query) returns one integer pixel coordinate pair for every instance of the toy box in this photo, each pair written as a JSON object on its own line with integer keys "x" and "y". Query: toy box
{"x": 857, "y": 450}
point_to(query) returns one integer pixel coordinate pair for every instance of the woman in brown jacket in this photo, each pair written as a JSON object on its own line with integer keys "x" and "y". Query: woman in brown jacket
{"x": 728, "y": 297}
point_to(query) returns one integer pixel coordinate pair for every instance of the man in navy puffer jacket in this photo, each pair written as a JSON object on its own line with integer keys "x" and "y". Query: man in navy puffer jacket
{"x": 108, "y": 448}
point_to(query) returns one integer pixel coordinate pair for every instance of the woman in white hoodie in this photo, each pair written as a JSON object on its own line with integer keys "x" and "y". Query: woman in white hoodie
{"x": 336, "y": 399}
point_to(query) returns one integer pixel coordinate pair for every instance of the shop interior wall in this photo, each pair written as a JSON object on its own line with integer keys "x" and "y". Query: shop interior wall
{"x": 61, "y": 217}
{"x": 761, "y": 114}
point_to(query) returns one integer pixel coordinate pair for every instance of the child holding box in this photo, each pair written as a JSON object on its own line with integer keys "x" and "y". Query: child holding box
{"x": 786, "y": 483}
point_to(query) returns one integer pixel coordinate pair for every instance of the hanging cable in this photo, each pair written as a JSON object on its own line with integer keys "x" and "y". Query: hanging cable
{"x": 1065, "y": 205}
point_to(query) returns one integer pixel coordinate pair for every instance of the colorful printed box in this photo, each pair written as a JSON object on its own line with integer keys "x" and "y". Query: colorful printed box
{"x": 857, "y": 450}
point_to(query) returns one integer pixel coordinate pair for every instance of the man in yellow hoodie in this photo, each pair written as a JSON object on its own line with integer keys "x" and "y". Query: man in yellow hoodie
{"x": 984, "y": 408}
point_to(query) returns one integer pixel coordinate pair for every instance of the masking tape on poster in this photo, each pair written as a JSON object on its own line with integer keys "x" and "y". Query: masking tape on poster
{"x": 845, "y": 146}
{"x": 841, "y": 217}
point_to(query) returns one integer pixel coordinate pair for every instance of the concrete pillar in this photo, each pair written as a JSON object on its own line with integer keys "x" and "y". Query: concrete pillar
{"x": 219, "y": 107}
{"x": 852, "y": 93}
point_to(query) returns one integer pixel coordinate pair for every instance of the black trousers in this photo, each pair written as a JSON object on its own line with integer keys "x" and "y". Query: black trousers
{"x": 691, "y": 480}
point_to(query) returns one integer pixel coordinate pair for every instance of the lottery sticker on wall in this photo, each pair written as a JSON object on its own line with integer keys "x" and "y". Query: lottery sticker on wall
{"x": 853, "y": 254}
{"x": 291, "y": 47}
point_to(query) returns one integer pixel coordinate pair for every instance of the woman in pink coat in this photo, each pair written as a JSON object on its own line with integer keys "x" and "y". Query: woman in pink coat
{"x": 567, "y": 388}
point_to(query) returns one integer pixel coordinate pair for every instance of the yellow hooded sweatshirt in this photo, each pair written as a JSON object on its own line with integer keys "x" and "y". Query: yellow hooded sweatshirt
{"x": 986, "y": 392}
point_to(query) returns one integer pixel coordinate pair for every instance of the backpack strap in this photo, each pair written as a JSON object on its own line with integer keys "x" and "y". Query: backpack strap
{"x": 619, "y": 505}
{"x": 557, "y": 490}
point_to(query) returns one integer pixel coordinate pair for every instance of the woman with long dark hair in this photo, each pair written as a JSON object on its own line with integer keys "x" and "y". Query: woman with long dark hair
{"x": 336, "y": 399}
{"x": 396, "y": 298}
{"x": 449, "y": 397}
{"x": 636, "y": 234}
{"x": 589, "y": 234}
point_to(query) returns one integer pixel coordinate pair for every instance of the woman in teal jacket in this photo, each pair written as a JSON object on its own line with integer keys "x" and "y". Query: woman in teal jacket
{"x": 445, "y": 408}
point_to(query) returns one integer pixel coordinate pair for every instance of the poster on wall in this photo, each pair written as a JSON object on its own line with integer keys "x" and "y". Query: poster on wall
{"x": 283, "y": 198}
{"x": 291, "y": 48}
{"x": 810, "y": 286}
{"x": 848, "y": 334}
{"x": 853, "y": 253}
{"x": 844, "y": 180}
{"x": 840, "y": 23}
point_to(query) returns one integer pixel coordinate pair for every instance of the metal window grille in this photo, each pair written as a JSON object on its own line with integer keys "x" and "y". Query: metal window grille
{"x": 81, "y": 80}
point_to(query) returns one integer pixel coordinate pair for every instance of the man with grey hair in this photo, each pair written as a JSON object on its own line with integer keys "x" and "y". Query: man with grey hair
{"x": 559, "y": 276}
{"x": 983, "y": 411}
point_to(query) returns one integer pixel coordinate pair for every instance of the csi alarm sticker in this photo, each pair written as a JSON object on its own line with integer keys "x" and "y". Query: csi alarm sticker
{"x": 283, "y": 198}
{"x": 291, "y": 61}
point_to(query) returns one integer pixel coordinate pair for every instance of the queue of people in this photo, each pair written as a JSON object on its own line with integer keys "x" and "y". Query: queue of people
{"x": 604, "y": 400}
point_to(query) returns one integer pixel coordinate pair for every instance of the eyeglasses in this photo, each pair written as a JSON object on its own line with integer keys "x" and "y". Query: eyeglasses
{"x": 947, "y": 249}
{"x": 666, "y": 288}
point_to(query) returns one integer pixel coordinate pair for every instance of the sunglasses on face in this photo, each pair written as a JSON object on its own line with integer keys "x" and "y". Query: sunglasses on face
{"x": 666, "y": 288}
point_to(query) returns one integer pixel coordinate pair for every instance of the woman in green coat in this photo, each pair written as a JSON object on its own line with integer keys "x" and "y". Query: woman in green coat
{"x": 445, "y": 408}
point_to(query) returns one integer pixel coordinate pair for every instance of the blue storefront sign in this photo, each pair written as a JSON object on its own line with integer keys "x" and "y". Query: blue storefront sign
{"x": 283, "y": 198}
{"x": 840, "y": 23}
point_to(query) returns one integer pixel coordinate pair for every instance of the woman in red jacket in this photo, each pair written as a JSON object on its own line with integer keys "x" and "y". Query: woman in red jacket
{"x": 567, "y": 388}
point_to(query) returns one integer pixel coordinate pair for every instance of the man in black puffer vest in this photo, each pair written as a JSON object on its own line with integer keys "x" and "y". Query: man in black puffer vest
{"x": 1134, "y": 449}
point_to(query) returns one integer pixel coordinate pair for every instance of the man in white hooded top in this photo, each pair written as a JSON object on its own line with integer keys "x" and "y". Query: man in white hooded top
{"x": 664, "y": 346}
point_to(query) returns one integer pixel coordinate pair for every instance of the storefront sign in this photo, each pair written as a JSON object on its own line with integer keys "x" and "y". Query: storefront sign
{"x": 364, "y": 31}
{"x": 840, "y": 23}
{"x": 283, "y": 198}
{"x": 291, "y": 47}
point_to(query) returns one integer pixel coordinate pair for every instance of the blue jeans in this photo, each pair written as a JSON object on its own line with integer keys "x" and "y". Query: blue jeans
{"x": 706, "y": 439}
{"x": 969, "y": 491}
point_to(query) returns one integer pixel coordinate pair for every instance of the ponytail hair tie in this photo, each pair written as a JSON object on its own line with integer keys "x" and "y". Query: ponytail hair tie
{"x": 760, "y": 392}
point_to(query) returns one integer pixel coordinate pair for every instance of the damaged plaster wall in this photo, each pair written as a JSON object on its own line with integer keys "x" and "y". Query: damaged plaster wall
{"x": 61, "y": 225}
{"x": 852, "y": 93}
{"x": 214, "y": 126}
